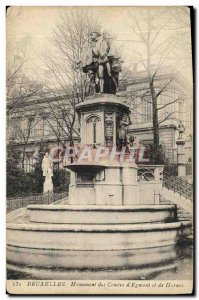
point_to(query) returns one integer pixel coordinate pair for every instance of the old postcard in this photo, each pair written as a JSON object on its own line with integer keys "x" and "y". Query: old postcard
{"x": 99, "y": 150}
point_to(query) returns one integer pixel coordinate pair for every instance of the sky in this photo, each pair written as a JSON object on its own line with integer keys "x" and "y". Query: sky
{"x": 36, "y": 24}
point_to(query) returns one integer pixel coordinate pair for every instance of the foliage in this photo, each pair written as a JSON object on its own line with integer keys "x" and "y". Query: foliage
{"x": 61, "y": 177}
{"x": 63, "y": 81}
{"x": 20, "y": 183}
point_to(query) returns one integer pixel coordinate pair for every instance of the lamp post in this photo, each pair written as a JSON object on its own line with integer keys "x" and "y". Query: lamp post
{"x": 180, "y": 151}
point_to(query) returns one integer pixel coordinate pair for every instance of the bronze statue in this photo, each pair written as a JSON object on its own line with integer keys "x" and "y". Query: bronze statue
{"x": 102, "y": 65}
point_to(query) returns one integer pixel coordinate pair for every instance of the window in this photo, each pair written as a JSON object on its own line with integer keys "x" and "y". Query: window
{"x": 39, "y": 130}
{"x": 47, "y": 128}
{"x": 17, "y": 125}
{"x": 148, "y": 112}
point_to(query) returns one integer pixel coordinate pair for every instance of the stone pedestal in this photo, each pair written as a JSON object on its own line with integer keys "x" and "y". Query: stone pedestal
{"x": 100, "y": 118}
{"x": 114, "y": 184}
{"x": 181, "y": 157}
{"x": 111, "y": 179}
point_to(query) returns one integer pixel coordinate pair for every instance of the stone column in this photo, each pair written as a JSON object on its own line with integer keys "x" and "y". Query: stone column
{"x": 180, "y": 157}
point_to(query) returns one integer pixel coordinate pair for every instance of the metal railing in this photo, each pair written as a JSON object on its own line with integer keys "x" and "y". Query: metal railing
{"x": 45, "y": 198}
{"x": 178, "y": 185}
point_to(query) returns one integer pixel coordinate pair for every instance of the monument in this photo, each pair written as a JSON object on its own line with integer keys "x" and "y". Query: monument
{"x": 104, "y": 120}
{"x": 113, "y": 226}
{"x": 180, "y": 151}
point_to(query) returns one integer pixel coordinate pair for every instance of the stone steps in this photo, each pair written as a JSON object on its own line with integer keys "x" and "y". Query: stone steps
{"x": 94, "y": 214}
{"x": 184, "y": 212}
{"x": 95, "y": 237}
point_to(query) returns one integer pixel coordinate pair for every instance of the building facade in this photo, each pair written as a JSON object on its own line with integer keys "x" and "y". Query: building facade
{"x": 47, "y": 120}
{"x": 175, "y": 105}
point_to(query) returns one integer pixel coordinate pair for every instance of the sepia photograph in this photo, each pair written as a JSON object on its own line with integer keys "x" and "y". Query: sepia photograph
{"x": 99, "y": 150}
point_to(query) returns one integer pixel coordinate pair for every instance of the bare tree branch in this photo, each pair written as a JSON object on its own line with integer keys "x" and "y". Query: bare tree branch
{"x": 164, "y": 87}
{"x": 167, "y": 117}
{"x": 169, "y": 103}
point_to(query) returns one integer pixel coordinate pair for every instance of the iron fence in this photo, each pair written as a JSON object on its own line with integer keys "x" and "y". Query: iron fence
{"x": 45, "y": 198}
{"x": 178, "y": 185}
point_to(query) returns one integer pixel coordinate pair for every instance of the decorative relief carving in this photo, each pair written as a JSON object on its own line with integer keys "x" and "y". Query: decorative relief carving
{"x": 145, "y": 174}
{"x": 109, "y": 129}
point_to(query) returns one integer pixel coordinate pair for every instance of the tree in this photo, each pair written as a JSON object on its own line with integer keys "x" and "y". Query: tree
{"x": 19, "y": 88}
{"x": 63, "y": 80}
{"x": 22, "y": 124}
{"x": 59, "y": 115}
{"x": 153, "y": 29}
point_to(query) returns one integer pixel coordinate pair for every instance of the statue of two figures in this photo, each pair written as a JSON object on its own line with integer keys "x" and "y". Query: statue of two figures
{"x": 47, "y": 168}
{"x": 102, "y": 64}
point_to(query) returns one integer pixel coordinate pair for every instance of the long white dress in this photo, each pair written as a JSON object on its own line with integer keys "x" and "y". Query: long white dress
{"x": 47, "y": 167}
{"x": 48, "y": 173}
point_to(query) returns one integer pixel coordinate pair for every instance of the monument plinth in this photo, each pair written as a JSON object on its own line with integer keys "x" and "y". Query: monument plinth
{"x": 100, "y": 119}
{"x": 101, "y": 176}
